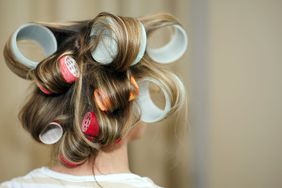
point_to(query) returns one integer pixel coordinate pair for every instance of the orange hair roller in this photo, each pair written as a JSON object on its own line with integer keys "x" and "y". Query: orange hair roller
{"x": 103, "y": 100}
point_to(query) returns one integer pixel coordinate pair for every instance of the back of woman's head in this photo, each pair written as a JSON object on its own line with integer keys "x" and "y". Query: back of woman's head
{"x": 98, "y": 75}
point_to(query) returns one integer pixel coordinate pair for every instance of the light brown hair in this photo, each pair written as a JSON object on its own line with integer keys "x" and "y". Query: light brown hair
{"x": 69, "y": 102}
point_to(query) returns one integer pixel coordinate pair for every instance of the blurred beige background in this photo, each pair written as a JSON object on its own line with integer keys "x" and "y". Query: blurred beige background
{"x": 233, "y": 76}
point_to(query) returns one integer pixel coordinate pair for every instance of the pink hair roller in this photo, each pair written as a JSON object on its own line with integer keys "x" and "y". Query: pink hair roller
{"x": 90, "y": 126}
{"x": 69, "y": 69}
{"x": 67, "y": 162}
{"x": 43, "y": 89}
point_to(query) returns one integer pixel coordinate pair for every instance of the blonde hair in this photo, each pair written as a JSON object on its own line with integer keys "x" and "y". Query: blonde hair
{"x": 69, "y": 102}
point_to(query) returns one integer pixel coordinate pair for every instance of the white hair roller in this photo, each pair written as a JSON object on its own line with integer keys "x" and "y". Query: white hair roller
{"x": 51, "y": 134}
{"x": 171, "y": 51}
{"x": 38, "y": 33}
{"x": 107, "y": 48}
{"x": 143, "y": 44}
{"x": 149, "y": 111}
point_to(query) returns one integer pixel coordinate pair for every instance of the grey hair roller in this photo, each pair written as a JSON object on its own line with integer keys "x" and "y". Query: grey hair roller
{"x": 107, "y": 48}
{"x": 38, "y": 33}
{"x": 171, "y": 51}
{"x": 51, "y": 134}
{"x": 149, "y": 111}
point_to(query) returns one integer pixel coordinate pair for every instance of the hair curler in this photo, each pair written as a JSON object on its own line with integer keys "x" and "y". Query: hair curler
{"x": 69, "y": 68}
{"x": 103, "y": 101}
{"x": 149, "y": 111}
{"x": 135, "y": 89}
{"x": 107, "y": 48}
{"x": 171, "y": 51}
{"x": 51, "y": 134}
{"x": 143, "y": 44}
{"x": 90, "y": 126}
{"x": 43, "y": 89}
{"x": 68, "y": 163}
{"x": 35, "y": 32}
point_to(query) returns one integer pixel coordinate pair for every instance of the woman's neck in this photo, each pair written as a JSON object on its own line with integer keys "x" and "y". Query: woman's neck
{"x": 106, "y": 162}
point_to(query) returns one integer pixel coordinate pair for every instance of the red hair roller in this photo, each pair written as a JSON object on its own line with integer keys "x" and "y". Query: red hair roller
{"x": 90, "y": 126}
{"x": 68, "y": 69}
{"x": 67, "y": 162}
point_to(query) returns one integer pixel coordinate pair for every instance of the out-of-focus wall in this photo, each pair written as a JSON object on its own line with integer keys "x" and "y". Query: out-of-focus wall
{"x": 159, "y": 155}
{"x": 245, "y": 94}
{"x": 236, "y": 93}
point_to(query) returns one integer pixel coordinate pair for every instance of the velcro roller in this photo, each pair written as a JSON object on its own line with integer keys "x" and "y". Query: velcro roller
{"x": 37, "y": 33}
{"x": 51, "y": 134}
{"x": 171, "y": 51}
{"x": 150, "y": 112}
{"x": 107, "y": 48}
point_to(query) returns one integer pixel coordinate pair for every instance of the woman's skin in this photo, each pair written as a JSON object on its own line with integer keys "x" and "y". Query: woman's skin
{"x": 111, "y": 161}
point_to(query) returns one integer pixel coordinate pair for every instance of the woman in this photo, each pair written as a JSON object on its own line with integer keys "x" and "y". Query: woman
{"x": 92, "y": 91}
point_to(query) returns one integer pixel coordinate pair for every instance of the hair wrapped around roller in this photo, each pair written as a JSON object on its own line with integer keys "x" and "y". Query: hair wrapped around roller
{"x": 95, "y": 77}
